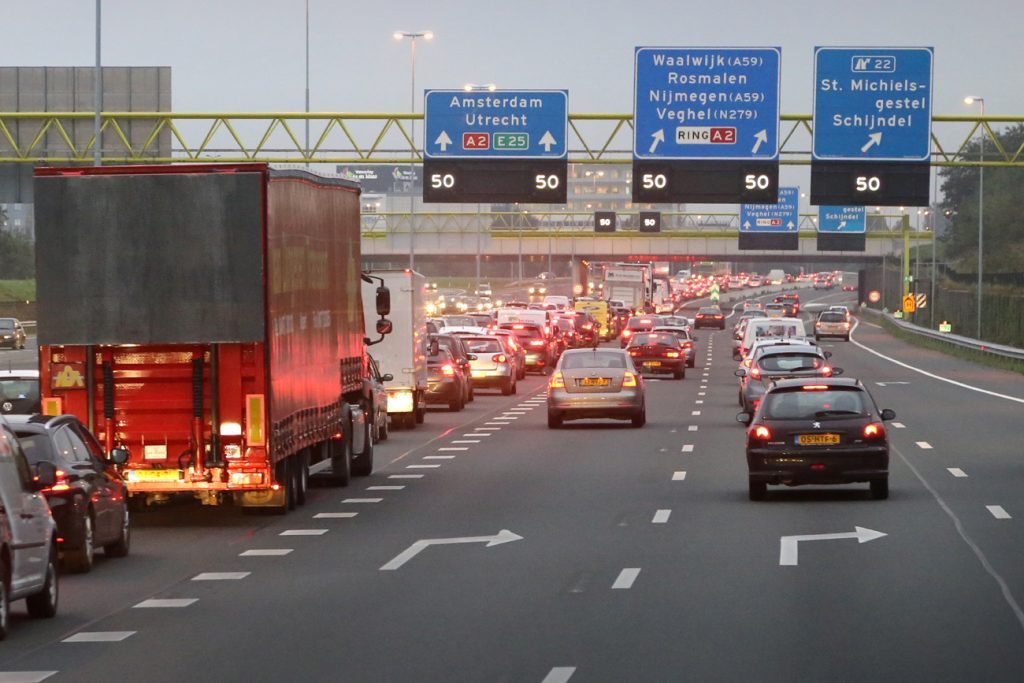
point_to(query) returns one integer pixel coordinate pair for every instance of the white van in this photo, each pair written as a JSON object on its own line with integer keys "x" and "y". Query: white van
{"x": 559, "y": 302}
{"x": 758, "y": 328}
{"x": 776, "y": 277}
{"x": 524, "y": 315}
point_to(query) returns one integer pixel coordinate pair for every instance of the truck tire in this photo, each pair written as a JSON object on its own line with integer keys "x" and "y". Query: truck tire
{"x": 363, "y": 465}
{"x": 43, "y": 605}
{"x": 341, "y": 459}
{"x": 285, "y": 478}
{"x": 302, "y": 477}
{"x": 421, "y": 414}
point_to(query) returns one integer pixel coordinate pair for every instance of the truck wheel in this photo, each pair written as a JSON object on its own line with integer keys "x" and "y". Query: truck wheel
{"x": 80, "y": 560}
{"x": 363, "y": 465}
{"x": 302, "y": 477}
{"x": 421, "y": 414}
{"x": 43, "y": 605}
{"x": 285, "y": 478}
{"x": 341, "y": 459}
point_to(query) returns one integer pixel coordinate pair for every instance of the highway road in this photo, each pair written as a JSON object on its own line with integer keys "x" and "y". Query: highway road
{"x": 590, "y": 553}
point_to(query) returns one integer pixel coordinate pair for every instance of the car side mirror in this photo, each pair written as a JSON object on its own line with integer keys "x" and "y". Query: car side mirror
{"x": 740, "y": 372}
{"x": 384, "y": 326}
{"x": 119, "y": 456}
{"x": 735, "y": 356}
{"x": 383, "y": 301}
{"x": 836, "y": 372}
{"x": 472, "y": 356}
{"x": 387, "y": 377}
{"x": 45, "y": 476}
{"x": 744, "y": 418}
{"x": 828, "y": 354}
{"x": 888, "y": 414}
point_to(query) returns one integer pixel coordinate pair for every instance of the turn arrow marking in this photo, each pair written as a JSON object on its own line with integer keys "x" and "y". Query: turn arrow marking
{"x": 503, "y": 536}
{"x": 788, "y": 544}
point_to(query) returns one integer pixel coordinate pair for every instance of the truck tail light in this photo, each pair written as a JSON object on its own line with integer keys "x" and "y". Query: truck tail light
{"x": 557, "y": 381}
{"x": 255, "y": 420}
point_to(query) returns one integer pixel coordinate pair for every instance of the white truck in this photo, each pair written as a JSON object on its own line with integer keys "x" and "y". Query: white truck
{"x": 403, "y": 353}
{"x": 626, "y": 284}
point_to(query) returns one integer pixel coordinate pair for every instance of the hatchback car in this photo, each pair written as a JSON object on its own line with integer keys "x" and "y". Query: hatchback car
{"x": 775, "y": 310}
{"x": 818, "y": 431}
{"x": 19, "y": 392}
{"x": 12, "y": 334}
{"x": 709, "y": 316}
{"x": 446, "y": 381}
{"x": 781, "y": 362}
{"x": 492, "y": 366}
{"x": 460, "y": 353}
{"x": 89, "y": 499}
{"x": 539, "y": 354}
{"x": 637, "y": 324}
{"x": 515, "y": 350}
{"x": 596, "y": 383}
{"x": 832, "y": 324}
{"x": 658, "y": 352}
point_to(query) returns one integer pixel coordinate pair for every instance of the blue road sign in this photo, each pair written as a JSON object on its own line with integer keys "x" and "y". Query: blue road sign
{"x": 706, "y": 103}
{"x": 872, "y": 104}
{"x": 780, "y": 217}
{"x": 842, "y": 219}
{"x": 519, "y": 124}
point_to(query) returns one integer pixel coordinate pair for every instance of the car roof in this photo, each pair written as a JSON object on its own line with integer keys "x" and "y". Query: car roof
{"x": 770, "y": 349}
{"x": 38, "y": 423}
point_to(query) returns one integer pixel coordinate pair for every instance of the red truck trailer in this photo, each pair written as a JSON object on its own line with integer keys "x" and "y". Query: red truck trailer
{"x": 207, "y": 319}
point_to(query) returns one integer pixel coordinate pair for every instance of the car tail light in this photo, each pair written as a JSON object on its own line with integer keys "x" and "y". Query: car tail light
{"x": 448, "y": 370}
{"x": 688, "y": 345}
{"x": 588, "y": 326}
{"x": 627, "y": 333}
{"x": 672, "y": 354}
{"x": 499, "y": 358}
{"x": 814, "y": 387}
{"x": 875, "y": 430}
{"x": 755, "y": 372}
{"x": 629, "y": 380}
{"x": 557, "y": 381}
{"x": 826, "y": 371}
{"x": 760, "y": 433}
{"x": 633, "y": 351}
{"x": 748, "y": 361}
{"x": 60, "y": 485}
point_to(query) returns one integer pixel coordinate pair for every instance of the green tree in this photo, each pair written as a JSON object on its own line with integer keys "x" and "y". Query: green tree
{"x": 1003, "y": 209}
{"x": 17, "y": 257}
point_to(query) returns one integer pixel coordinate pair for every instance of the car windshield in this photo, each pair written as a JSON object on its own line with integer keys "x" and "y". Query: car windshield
{"x": 790, "y": 362}
{"x": 483, "y": 345}
{"x": 776, "y": 330}
{"x": 6, "y": 324}
{"x": 36, "y": 447}
{"x": 14, "y": 389}
{"x": 595, "y": 359}
{"x": 459, "y": 321}
{"x": 804, "y": 404}
{"x": 832, "y": 318}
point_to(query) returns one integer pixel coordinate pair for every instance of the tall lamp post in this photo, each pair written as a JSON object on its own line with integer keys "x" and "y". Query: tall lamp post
{"x": 971, "y": 99}
{"x": 473, "y": 87}
{"x": 97, "y": 84}
{"x": 412, "y": 36}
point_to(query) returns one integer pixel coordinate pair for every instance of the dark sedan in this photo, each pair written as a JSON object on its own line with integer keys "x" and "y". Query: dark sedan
{"x": 446, "y": 381}
{"x": 817, "y": 431}
{"x": 658, "y": 352}
{"x": 709, "y": 316}
{"x": 89, "y": 500}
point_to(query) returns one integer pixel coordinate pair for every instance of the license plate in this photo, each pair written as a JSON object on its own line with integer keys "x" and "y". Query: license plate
{"x": 155, "y": 475}
{"x": 595, "y": 382}
{"x": 817, "y": 439}
{"x": 652, "y": 363}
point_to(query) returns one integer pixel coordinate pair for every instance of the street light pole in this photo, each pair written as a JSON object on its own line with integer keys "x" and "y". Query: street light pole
{"x": 97, "y": 82}
{"x": 399, "y": 35}
{"x": 307, "y": 83}
{"x": 971, "y": 99}
{"x": 473, "y": 87}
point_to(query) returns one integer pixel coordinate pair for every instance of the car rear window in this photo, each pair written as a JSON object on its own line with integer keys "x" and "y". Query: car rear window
{"x": 483, "y": 345}
{"x": 37, "y": 448}
{"x": 663, "y": 338}
{"x": 804, "y": 404}
{"x": 775, "y": 330}
{"x": 597, "y": 359}
{"x": 790, "y": 362}
{"x": 832, "y": 318}
{"x": 15, "y": 389}
{"x": 640, "y": 323}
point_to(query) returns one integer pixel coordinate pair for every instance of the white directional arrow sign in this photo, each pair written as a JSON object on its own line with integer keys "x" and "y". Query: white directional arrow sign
{"x": 503, "y": 536}
{"x": 842, "y": 224}
{"x": 547, "y": 140}
{"x": 788, "y": 544}
{"x": 873, "y": 139}
{"x": 761, "y": 137}
{"x": 746, "y": 225}
{"x": 443, "y": 140}
{"x": 790, "y": 225}
{"x": 659, "y": 136}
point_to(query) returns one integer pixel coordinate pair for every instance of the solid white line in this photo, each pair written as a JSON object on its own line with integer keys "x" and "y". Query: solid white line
{"x": 898, "y": 425}
{"x": 438, "y": 457}
{"x": 266, "y": 552}
{"x": 220, "y": 576}
{"x": 99, "y": 636}
{"x": 928, "y": 374}
{"x": 693, "y": 428}
{"x": 421, "y": 467}
{"x": 466, "y": 441}
{"x": 956, "y": 472}
{"x": 405, "y": 476}
{"x": 384, "y": 488}
{"x": 303, "y": 532}
{"x": 687, "y": 448}
{"x": 335, "y": 515}
{"x": 924, "y": 445}
{"x": 166, "y": 602}
{"x": 678, "y": 476}
{"x": 626, "y": 578}
{"x": 661, "y": 517}
{"x": 998, "y": 512}
{"x": 559, "y": 674}
{"x": 39, "y": 676}
{"x": 363, "y": 500}
{"x": 454, "y": 448}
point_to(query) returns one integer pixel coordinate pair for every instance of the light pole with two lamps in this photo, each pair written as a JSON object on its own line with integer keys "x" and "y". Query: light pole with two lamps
{"x": 969, "y": 100}
{"x": 412, "y": 36}
{"x": 473, "y": 87}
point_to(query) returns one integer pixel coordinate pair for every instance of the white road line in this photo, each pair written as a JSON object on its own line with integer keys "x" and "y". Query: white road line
{"x": 501, "y": 420}
{"x": 99, "y": 637}
{"x": 661, "y": 517}
{"x": 924, "y": 445}
{"x": 956, "y": 472}
{"x": 220, "y": 576}
{"x": 898, "y": 425}
{"x": 998, "y": 512}
{"x": 39, "y": 676}
{"x": 693, "y": 428}
{"x": 405, "y": 476}
{"x": 384, "y": 488}
{"x": 335, "y": 515}
{"x": 626, "y": 578}
{"x": 303, "y": 532}
{"x": 679, "y": 475}
{"x": 363, "y": 500}
{"x": 466, "y": 441}
{"x": 453, "y": 448}
{"x": 438, "y": 457}
{"x": 695, "y": 412}
{"x": 421, "y": 467}
{"x": 698, "y": 402}
{"x": 475, "y": 435}
{"x": 702, "y": 393}
{"x": 165, "y": 602}
{"x": 687, "y": 448}
{"x": 928, "y": 374}
{"x": 266, "y": 552}
{"x": 490, "y": 429}
{"x": 559, "y": 674}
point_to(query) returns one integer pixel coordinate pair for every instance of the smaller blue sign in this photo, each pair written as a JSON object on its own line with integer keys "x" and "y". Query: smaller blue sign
{"x": 780, "y": 217}
{"x": 842, "y": 219}
{"x": 500, "y": 124}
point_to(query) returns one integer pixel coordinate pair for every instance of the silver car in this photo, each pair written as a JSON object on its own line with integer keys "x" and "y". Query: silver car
{"x": 491, "y": 364}
{"x": 596, "y": 383}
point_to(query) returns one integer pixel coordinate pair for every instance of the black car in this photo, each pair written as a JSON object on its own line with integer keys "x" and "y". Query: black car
{"x": 817, "y": 431}
{"x": 19, "y": 392}
{"x": 709, "y": 316}
{"x": 446, "y": 382}
{"x": 460, "y": 353}
{"x": 89, "y": 500}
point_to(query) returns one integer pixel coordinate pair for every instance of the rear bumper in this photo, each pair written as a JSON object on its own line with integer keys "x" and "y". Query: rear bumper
{"x": 622, "y": 405}
{"x": 794, "y": 468}
{"x": 491, "y": 378}
{"x": 442, "y": 391}
{"x": 665, "y": 364}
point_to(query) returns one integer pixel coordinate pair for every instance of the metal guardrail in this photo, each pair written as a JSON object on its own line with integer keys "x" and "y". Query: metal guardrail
{"x": 953, "y": 339}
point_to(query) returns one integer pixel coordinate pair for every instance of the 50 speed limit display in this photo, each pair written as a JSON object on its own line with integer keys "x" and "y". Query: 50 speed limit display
{"x": 535, "y": 181}
{"x": 705, "y": 181}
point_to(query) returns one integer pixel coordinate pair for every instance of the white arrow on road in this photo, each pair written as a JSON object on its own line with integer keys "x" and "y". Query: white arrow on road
{"x": 788, "y": 544}
{"x": 873, "y": 139}
{"x": 659, "y": 136}
{"x": 503, "y": 536}
{"x": 761, "y": 137}
{"x": 547, "y": 140}
{"x": 443, "y": 140}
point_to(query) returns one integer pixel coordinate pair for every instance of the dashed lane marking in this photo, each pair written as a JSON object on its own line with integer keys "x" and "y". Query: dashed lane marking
{"x": 363, "y": 500}
{"x": 303, "y": 532}
{"x": 405, "y": 476}
{"x": 695, "y": 412}
{"x": 693, "y": 428}
{"x": 438, "y": 457}
{"x": 923, "y": 445}
{"x": 220, "y": 576}
{"x": 335, "y": 515}
{"x": 698, "y": 402}
{"x": 898, "y": 425}
{"x": 956, "y": 472}
{"x": 99, "y": 637}
{"x": 626, "y": 578}
{"x": 661, "y": 517}
{"x": 421, "y": 467}
{"x": 384, "y": 488}
{"x": 453, "y": 448}
{"x": 679, "y": 475}
{"x": 40, "y": 676}
{"x": 475, "y": 435}
{"x": 159, "y": 603}
{"x": 266, "y": 552}
{"x": 687, "y": 448}
{"x": 466, "y": 441}
{"x": 998, "y": 512}
{"x": 559, "y": 674}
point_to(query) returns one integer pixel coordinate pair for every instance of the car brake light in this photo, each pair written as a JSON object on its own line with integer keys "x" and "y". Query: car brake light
{"x": 629, "y": 380}
{"x": 557, "y": 381}
{"x": 627, "y": 333}
{"x": 817, "y": 324}
{"x": 826, "y": 371}
{"x": 874, "y": 431}
{"x": 814, "y": 387}
{"x": 748, "y": 361}
{"x": 688, "y": 345}
{"x": 448, "y": 370}
{"x": 537, "y": 342}
{"x": 755, "y": 372}
{"x": 672, "y": 354}
{"x": 499, "y": 358}
{"x": 760, "y": 433}
{"x": 519, "y": 327}
{"x": 60, "y": 485}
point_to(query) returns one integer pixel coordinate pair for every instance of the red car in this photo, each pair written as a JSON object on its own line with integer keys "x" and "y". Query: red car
{"x": 658, "y": 352}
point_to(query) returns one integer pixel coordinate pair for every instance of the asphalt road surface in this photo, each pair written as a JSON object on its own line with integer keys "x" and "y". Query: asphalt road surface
{"x": 597, "y": 552}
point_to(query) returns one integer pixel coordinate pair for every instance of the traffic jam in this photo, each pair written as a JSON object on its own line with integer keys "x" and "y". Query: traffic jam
{"x": 262, "y": 387}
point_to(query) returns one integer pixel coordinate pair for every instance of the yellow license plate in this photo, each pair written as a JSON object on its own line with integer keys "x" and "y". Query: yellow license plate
{"x": 155, "y": 475}
{"x": 594, "y": 382}
{"x": 817, "y": 439}
{"x": 652, "y": 363}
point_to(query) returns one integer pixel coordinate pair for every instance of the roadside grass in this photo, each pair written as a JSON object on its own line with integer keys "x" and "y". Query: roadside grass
{"x": 17, "y": 290}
